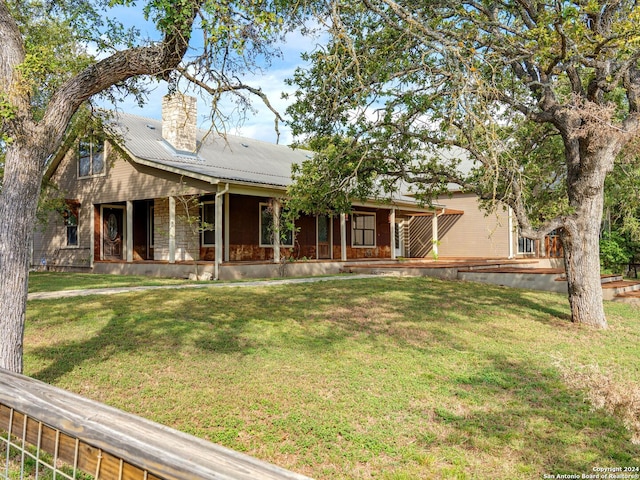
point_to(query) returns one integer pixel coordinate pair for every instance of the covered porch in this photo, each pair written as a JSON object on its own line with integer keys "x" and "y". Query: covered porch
{"x": 224, "y": 235}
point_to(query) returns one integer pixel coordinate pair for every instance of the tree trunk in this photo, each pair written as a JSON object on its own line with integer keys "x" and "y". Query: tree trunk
{"x": 582, "y": 264}
{"x": 580, "y": 237}
{"x": 18, "y": 204}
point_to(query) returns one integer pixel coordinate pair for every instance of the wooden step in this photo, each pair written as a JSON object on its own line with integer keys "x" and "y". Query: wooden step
{"x": 621, "y": 288}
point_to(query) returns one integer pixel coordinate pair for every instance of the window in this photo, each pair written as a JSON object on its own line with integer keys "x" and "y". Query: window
{"x": 526, "y": 245}
{"x": 70, "y": 216}
{"x": 363, "y": 233}
{"x": 90, "y": 157}
{"x": 208, "y": 224}
{"x": 266, "y": 229}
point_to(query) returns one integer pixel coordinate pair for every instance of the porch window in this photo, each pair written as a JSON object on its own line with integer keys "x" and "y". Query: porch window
{"x": 90, "y": 156}
{"x": 526, "y": 246}
{"x": 70, "y": 216}
{"x": 266, "y": 229}
{"x": 363, "y": 230}
{"x": 208, "y": 224}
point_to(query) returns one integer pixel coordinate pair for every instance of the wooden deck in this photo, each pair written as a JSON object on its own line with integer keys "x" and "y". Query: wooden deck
{"x": 516, "y": 273}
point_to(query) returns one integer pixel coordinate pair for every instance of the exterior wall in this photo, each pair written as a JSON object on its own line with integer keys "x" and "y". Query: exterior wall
{"x": 125, "y": 181}
{"x": 475, "y": 234}
{"x": 306, "y": 239}
{"x": 187, "y": 236}
{"x": 122, "y": 181}
{"x": 382, "y": 248}
{"x": 50, "y": 248}
{"x": 244, "y": 229}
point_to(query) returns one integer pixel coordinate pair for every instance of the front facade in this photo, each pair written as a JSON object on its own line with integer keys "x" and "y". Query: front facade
{"x": 166, "y": 196}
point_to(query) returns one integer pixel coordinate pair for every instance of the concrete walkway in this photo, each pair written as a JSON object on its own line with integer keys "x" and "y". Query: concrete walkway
{"x": 255, "y": 283}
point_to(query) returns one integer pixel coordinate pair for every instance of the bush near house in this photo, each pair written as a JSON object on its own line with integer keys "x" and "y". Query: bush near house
{"x": 615, "y": 253}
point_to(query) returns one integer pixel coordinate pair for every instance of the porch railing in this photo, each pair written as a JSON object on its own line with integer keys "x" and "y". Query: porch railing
{"x": 46, "y": 432}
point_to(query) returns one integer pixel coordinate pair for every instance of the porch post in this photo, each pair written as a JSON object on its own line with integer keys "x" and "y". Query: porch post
{"x": 510, "y": 234}
{"x": 343, "y": 237}
{"x": 172, "y": 230}
{"x": 226, "y": 227}
{"x": 92, "y": 235}
{"x": 129, "y": 231}
{"x": 276, "y": 230}
{"x": 392, "y": 229}
{"x": 434, "y": 234}
{"x": 218, "y": 235}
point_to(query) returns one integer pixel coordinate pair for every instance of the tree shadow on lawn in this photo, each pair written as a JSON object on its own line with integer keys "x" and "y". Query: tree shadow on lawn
{"x": 169, "y": 321}
{"x": 497, "y": 406}
{"x": 535, "y": 421}
{"x": 153, "y": 322}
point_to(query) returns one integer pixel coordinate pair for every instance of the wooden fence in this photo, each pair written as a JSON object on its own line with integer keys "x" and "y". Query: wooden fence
{"x": 48, "y": 427}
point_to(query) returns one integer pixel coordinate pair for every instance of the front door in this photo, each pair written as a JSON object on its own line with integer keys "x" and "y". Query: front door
{"x": 324, "y": 236}
{"x": 112, "y": 234}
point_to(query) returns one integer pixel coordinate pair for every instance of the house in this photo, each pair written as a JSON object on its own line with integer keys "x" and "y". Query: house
{"x": 160, "y": 197}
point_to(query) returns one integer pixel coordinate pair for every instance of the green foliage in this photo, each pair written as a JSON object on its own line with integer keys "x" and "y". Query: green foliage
{"x": 615, "y": 252}
{"x": 622, "y": 199}
{"x": 57, "y": 37}
{"x": 514, "y": 103}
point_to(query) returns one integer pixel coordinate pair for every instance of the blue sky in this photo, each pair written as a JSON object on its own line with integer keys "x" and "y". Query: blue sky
{"x": 259, "y": 125}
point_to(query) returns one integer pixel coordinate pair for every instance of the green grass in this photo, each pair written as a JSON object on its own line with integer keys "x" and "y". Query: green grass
{"x": 391, "y": 378}
{"x": 53, "y": 282}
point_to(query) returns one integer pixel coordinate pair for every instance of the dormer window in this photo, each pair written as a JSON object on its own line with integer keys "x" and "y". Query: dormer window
{"x": 91, "y": 156}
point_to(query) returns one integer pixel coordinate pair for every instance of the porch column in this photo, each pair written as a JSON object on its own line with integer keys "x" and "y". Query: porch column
{"x": 218, "y": 234}
{"x": 92, "y": 235}
{"x": 510, "y": 234}
{"x": 434, "y": 234}
{"x": 172, "y": 230}
{"x": 129, "y": 231}
{"x": 343, "y": 237}
{"x": 226, "y": 227}
{"x": 276, "y": 231}
{"x": 392, "y": 229}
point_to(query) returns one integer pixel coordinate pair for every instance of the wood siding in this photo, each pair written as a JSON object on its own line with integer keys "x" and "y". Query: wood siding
{"x": 475, "y": 234}
{"x": 122, "y": 181}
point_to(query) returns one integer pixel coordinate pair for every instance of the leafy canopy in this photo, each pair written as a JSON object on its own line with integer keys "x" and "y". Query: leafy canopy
{"x": 514, "y": 100}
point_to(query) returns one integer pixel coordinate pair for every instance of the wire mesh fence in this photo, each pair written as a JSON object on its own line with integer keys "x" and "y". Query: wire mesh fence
{"x": 48, "y": 433}
{"x": 30, "y": 449}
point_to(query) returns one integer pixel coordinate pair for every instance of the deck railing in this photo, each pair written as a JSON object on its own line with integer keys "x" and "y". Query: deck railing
{"x": 49, "y": 433}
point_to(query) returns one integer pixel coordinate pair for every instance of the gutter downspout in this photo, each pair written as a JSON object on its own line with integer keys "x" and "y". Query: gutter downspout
{"x": 218, "y": 260}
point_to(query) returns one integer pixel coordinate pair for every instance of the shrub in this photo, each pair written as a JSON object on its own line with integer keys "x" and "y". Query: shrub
{"x": 614, "y": 253}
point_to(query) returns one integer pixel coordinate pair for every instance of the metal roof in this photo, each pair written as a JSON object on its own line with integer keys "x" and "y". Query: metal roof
{"x": 219, "y": 157}
{"x": 226, "y": 158}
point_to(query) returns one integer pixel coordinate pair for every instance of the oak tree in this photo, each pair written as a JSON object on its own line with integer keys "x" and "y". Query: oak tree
{"x": 527, "y": 103}
{"x": 58, "y": 55}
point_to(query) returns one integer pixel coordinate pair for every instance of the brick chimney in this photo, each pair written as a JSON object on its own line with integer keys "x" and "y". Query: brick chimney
{"x": 179, "y": 121}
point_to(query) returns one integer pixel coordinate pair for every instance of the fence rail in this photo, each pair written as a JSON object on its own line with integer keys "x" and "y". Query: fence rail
{"x": 46, "y": 427}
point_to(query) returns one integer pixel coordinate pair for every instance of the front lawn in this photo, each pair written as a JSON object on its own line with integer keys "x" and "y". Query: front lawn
{"x": 391, "y": 378}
